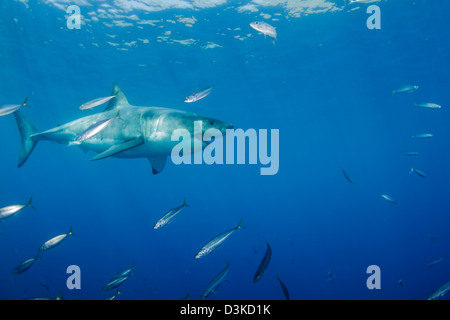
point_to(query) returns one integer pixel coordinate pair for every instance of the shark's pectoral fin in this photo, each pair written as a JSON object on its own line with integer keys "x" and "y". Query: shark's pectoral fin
{"x": 157, "y": 163}
{"x": 117, "y": 148}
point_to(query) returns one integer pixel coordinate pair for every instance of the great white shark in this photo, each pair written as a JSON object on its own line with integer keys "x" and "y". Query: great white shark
{"x": 140, "y": 132}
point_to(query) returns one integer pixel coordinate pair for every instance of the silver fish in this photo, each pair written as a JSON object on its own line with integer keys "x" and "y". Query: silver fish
{"x": 428, "y": 105}
{"x": 264, "y": 28}
{"x": 284, "y": 288}
{"x": 199, "y": 94}
{"x": 58, "y": 297}
{"x": 11, "y": 211}
{"x": 114, "y": 296}
{"x": 24, "y": 266}
{"x": 124, "y": 273}
{"x": 170, "y": 216}
{"x": 114, "y": 284}
{"x": 435, "y": 263}
{"x": 349, "y": 179}
{"x": 389, "y": 198}
{"x": 420, "y": 173}
{"x": 406, "y": 89}
{"x": 96, "y": 102}
{"x": 215, "y": 282}
{"x": 55, "y": 241}
{"x": 94, "y": 129}
{"x": 10, "y": 108}
{"x": 263, "y": 265}
{"x": 412, "y": 154}
{"x": 442, "y": 291}
{"x": 216, "y": 242}
{"x": 422, "y": 136}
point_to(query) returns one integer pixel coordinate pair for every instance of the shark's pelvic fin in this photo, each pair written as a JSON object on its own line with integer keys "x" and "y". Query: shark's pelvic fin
{"x": 157, "y": 163}
{"x": 83, "y": 148}
{"x": 120, "y": 100}
{"x": 117, "y": 148}
{"x": 26, "y": 130}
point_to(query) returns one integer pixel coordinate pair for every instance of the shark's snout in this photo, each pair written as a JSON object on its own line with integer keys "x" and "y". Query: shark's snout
{"x": 222, "y": 126}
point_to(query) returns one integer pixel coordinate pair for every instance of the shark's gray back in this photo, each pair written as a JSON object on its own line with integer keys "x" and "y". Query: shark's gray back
{"x": 145, "y": 123}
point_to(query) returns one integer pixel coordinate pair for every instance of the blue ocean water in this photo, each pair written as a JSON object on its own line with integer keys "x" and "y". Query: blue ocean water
{"x": 326, "y": 84}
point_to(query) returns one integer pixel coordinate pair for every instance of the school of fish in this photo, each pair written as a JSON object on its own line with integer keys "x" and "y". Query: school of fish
{"x": 217, "y": 241}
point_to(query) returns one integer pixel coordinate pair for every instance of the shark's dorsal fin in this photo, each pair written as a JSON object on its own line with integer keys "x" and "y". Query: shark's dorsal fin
{"x": 120, "y": 100}
{"x": 158, "y": 163}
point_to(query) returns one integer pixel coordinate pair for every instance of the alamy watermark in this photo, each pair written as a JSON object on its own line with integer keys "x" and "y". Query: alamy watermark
{"x": 74, "y": 280}
{"x": 374, "y": 280}
{"x": 74, "y": 18}
{"x": 213, "y": 153}
{"x": 374, "y": 21}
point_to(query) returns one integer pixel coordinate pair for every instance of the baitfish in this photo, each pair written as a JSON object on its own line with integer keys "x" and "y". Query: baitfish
{"x": 263, "y": 265}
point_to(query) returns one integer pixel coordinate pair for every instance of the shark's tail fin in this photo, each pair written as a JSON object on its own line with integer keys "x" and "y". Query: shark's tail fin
{"x": 26, "y": 130}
